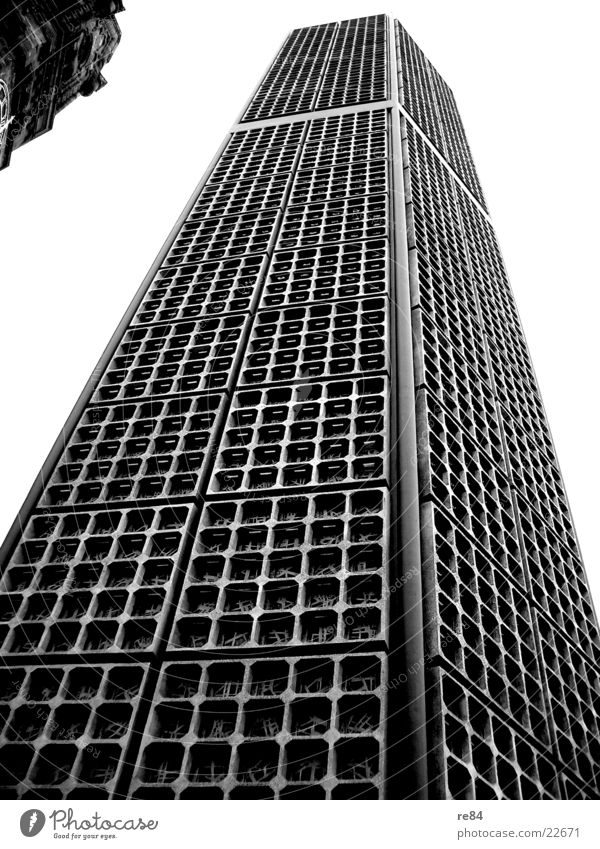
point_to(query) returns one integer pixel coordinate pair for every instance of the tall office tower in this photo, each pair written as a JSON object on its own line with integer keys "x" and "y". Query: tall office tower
{"x": 304, "y": 535}
{"x": 51, "y": 51}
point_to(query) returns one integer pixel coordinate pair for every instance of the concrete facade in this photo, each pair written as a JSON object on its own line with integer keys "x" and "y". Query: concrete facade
{"x": 305, "y": 535}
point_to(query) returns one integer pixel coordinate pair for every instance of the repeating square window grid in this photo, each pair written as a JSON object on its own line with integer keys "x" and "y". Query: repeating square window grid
{"x": 481, "y": 626}
{"x": 92, "y": 582}
{"x": 453, "y": 540}
{"x": 260, "y": 194}
{"x": 164, "y": 271}
{"x": 294, "y": 728}
{"x": 460, "y": 477}
{"x": 291, "y": 83}
{"x": 329, "y": 130}
{"x": 206, "y": 238}
{"x": 304, "y": 436}
{"x": 357, "y": 68}
{"x": 188, "y": 292}
{"x": 486, "y": 258}
{"x": 512, "y": 371}
{"x": 329, "y": 273}
{"x": 465, "y": 393}
{"x": 236, "y": 209}
{"x": 435, "y": 217}
{"x": 558, "y": 582}
{"x": 457, "y": 147}
{"x": 441, "y": 285}
{"x": 499, "y": 315}
{"x": 431, "y": 103}
{"x": 509, "y": 369}
{"x": 513, "y": 365}
{"x": 336, "y": 182}
{"x": 217, "y": 238}
{"x": 323, "y": 150}
{"x": 316, "y": 341}
{"x": 169, "y": 359}
{"x": 539, "y": 482}
{"x": 281, "y": 573}
{"x": 573, "y": 685}
{"x": 448, "y": 297}
{"x": 134, "y": 452}
{"x": 485, "y": 757}
{"x": 257, "y": 153}
{"x": 563, "y": 596}
{"x": 227, "y": 193}
{"x": 286, "y": 571}
{"x": 64, "y": 730}
{"x": 324, "y": 67}
{"x": 413, "y": 83}
{"x": 501, "y": 330}
{"x": 250, "y": 177}
{"x": 519, "y": 398}
{"x": 350, "y": 219}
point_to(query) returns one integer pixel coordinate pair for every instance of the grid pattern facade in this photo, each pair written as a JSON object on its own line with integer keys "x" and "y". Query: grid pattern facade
{"x": 428, "y": 99}
{"x": 323, "y": 67}
{"x": 502, "y": 569}
{"x": 203, "y": 600}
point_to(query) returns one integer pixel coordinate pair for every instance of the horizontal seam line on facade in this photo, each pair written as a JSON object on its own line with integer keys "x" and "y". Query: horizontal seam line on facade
{"x": 520, "y": 486}
{"x": 479, "y": 201}
{"x": 220, "y": 216}
{"x": 201, "y": 498}
{"x": 198, "y": 266}
{"x": 281, "y": 146}
{"x": 308, "y": 381}
{"x": 447, "y": 338}
{"x": 301, "y": 489}
{"x": 235, "y": 313}
{"x": 297, "y": 247}
{"x": 302, "y": 204}
{"x": 543, "y": 748}
{"x": 582, "y": 653}
{"x": 124, "y": 504}
{"x": 307, "y": 204}
{"x": 311, "y": 169}
{"x": 193, "y": 499}
{"x": 433, "y": 499}
{"x": 140, "y": 399}
{"x": 171, "y": 321}
{"x": 365, "y": 240}
{"x": 423, "y": 387}
{"x": 542, "y": 450}
{"x": 70, "y": 658}
{"x": 427, "y": 259}
{"x": 325, "y": 301}
{"x": 293, "y": 118}
{"x": 221, "y": 258}
{"x": 343, "y": 647}
{"x": 445, "y": 162}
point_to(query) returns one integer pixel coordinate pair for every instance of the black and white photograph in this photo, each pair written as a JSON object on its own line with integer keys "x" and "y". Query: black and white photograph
{"x": 300, "y": 315}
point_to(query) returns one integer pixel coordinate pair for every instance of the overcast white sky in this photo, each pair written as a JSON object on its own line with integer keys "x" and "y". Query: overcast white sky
{"x": 85, "y": 209}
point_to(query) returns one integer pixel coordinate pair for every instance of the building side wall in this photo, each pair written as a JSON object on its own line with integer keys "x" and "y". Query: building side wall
{"x": 512, "y": 645}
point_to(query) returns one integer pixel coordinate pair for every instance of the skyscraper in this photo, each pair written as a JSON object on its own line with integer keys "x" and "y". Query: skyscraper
{"x": 51, "y": 51}
{"x": 304, "y": 535}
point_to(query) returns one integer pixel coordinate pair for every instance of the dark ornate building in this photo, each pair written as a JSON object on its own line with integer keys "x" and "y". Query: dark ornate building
{"x": 305, "y": 534}
{"x": 51, "y": 51}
